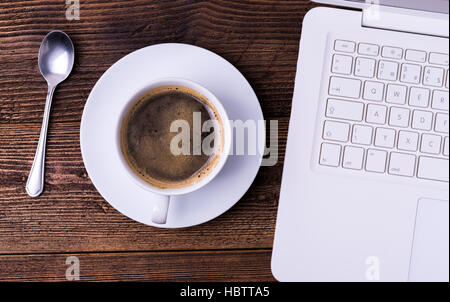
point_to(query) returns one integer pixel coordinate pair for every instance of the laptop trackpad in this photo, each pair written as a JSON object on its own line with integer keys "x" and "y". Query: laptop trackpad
{"x": 430, "y": 255}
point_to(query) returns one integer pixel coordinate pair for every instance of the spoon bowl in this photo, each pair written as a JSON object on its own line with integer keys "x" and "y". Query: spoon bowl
{"x": 56, "y": 57}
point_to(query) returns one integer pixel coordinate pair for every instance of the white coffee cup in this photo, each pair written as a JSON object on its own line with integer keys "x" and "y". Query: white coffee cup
{"x": 161, "y": 200}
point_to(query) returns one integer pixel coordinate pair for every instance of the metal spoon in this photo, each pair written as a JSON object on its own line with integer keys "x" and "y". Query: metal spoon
{"x": 56, "y": 57}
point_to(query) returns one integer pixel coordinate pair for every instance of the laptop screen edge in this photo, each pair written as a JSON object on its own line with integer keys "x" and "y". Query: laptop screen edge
{"x": 436, "y": 6}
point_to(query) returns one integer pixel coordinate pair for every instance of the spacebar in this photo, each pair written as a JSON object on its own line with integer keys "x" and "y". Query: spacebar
{"x": 433, "y": 169}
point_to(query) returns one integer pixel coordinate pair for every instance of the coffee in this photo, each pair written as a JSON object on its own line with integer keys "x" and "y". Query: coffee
{"x": 146, "y": 137}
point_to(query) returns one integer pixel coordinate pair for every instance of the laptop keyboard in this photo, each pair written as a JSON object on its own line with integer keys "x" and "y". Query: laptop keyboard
{"x": 387, "y": 111}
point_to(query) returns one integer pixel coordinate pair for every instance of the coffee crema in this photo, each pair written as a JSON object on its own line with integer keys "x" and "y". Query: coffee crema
{"x": 146, "y": 137}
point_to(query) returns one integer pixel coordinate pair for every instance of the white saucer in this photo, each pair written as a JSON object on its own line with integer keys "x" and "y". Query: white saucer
{"x": 121, "y": 81}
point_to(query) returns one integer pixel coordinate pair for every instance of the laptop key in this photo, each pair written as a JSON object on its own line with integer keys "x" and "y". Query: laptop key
{"x": 368, "y": 49}
{"x": 385, "y": 138}
{"x": 440, "y": 100}
{"x": 373, "y": 91}
{"x": 392, "y": 52}
{"x": 376, "y": 114}
{"x": 344, "y": 87}
{"x": 388, "y": 70}
{"x": 345, "y": 110}
{"x": 342, "y": 64}
{"x": 442, "y": 123}
{"x": 396, "y": 94}
{"x": 408, "y": 141}
{"x": 362, "y": 135}
{"x": 376, "y": 161}
{"x": 365, "y": 67}
{"x": 402, "y": 164}
{"x": 439, "y": 59}
{"x": 431, "y": 144}
{"x": 416, "y": 56}
{"x": 330, "y": 155}
{"x": 336, "y": 131}
{"x": 411, "y": 73}
{"x": 399, "y": 117}
{"x": 433, "y": 77}
{"x": 345, "y": 46}
{"x": 353, "y": 158}
{"x": 433, "y": 169}
{"x": 422, "y": 120}
{"x": 419, "y": 97}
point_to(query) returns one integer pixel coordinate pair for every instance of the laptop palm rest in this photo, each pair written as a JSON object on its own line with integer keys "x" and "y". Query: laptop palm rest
{"x": 430, "y": 254}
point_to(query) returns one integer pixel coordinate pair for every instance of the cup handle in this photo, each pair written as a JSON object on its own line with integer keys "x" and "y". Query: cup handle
{"x": 160, "y": 209}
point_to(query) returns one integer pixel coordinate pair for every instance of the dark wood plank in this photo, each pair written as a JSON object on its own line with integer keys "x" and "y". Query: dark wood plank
{"x": 260, "y": 37}
{"x": 71, "y": 216}
{"x": 219, "y": 266}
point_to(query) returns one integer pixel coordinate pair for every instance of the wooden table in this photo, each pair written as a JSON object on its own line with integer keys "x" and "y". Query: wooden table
{"x": 260, "y": 37}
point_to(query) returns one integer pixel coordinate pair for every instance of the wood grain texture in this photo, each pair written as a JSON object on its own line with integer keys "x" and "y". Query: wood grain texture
{"x": 260, "y": 37}
{"x": 212, "y": 266}
{"x": 71, "y": 210}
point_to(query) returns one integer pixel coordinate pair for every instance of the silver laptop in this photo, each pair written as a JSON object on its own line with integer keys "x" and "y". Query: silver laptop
{"x": 365, "y": 190}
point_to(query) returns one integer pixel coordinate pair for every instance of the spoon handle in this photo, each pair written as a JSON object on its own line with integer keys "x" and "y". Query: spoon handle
{"x": 35, "y": 182}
